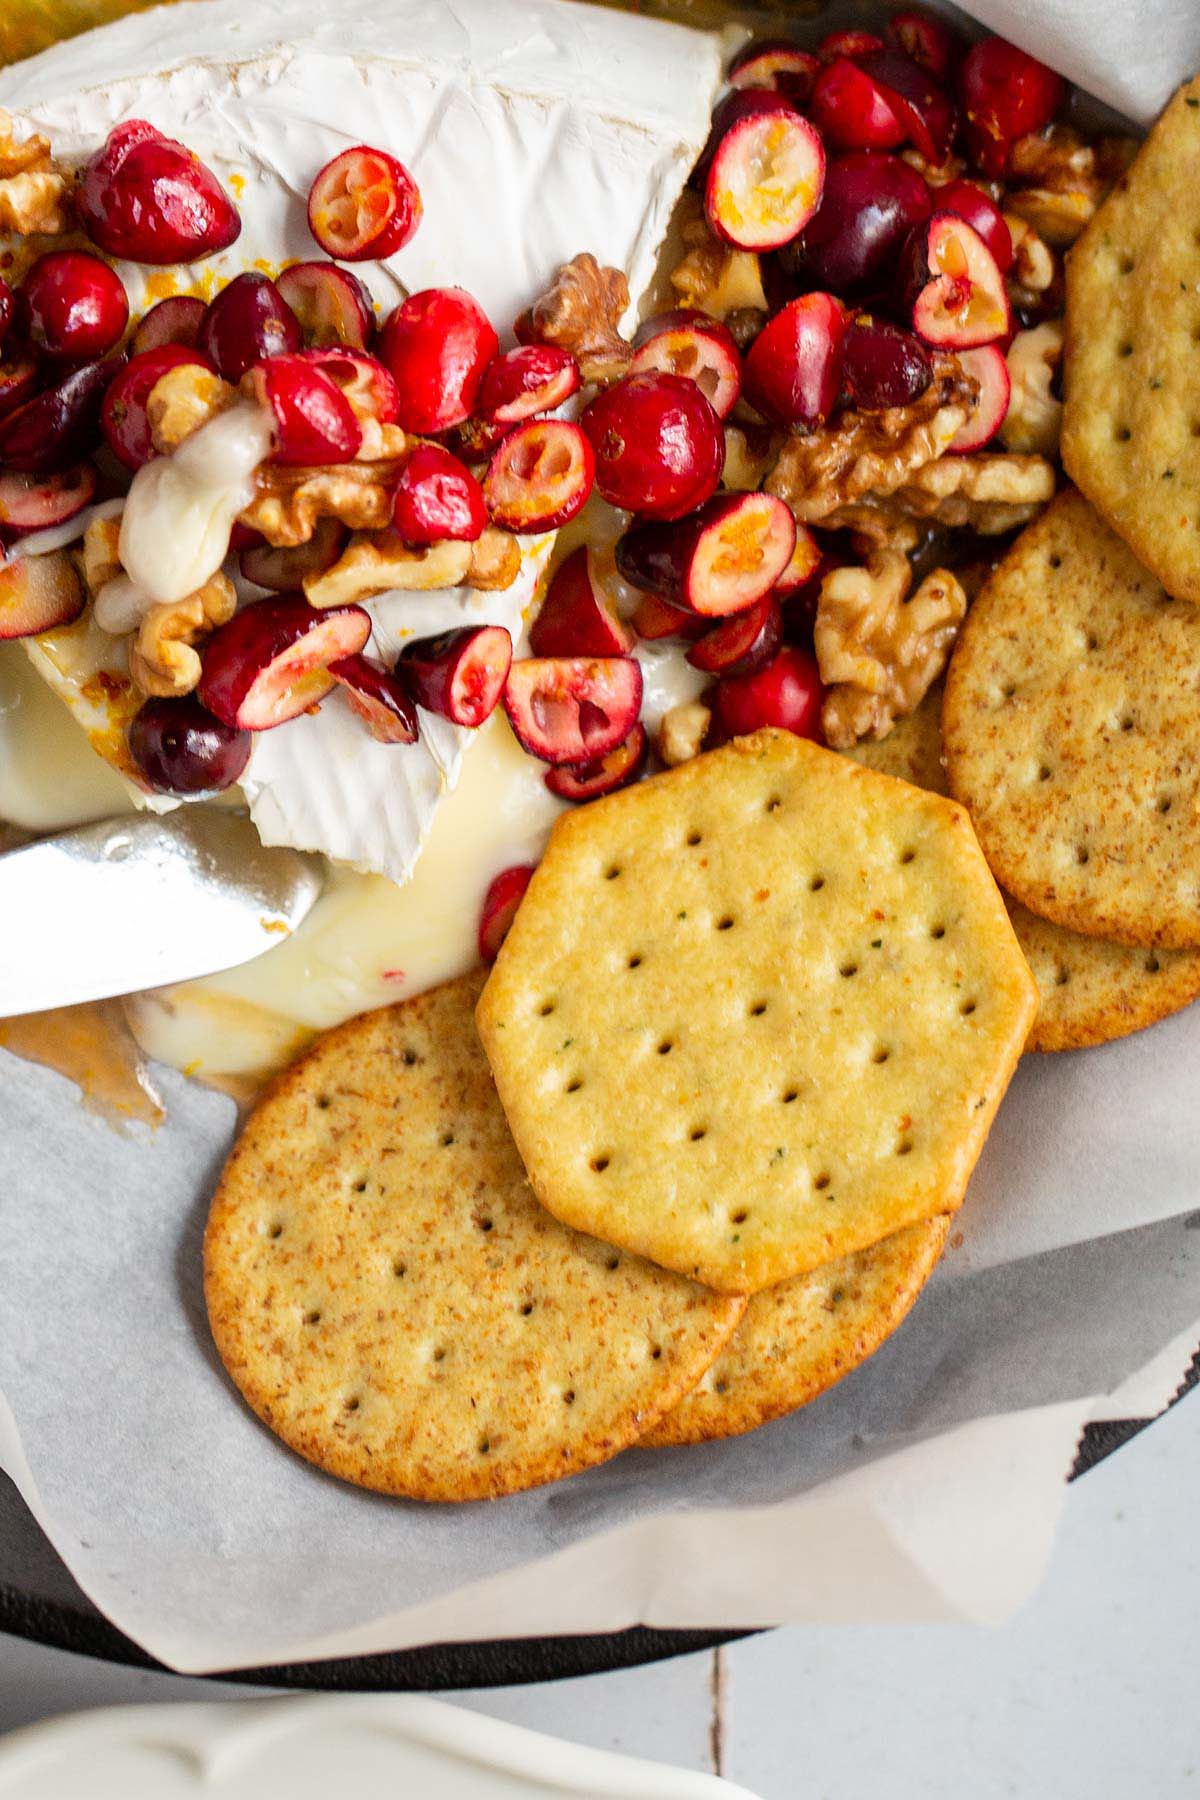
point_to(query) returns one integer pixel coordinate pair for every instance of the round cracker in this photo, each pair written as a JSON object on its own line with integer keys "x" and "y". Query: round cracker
{"x": 800, "y": 1338}
{"x": 1071, "y": 726}
{"x": 1089, "y": 991}
{"x": 394, "y": 1304}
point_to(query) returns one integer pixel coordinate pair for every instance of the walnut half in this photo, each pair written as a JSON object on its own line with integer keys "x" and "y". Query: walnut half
{"x": 581, "y": 312}
{"x": 34, "y": 194}
{"x": 163, "y": 660}
{"x": 879, "y": 649}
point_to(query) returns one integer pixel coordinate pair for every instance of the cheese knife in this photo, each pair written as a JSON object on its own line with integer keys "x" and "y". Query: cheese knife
{"x": 139, "y": 902}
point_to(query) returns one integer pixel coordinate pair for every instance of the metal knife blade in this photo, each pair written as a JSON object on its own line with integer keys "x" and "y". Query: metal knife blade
{"x": 142, "y": 901}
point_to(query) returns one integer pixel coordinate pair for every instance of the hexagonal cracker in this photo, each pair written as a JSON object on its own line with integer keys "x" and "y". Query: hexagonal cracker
{"x": 756, "y": 1013}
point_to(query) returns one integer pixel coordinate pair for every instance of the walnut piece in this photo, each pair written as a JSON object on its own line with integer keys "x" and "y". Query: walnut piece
{"x": 879, "y": 526}
{"x": 711, "y": 275}
{"x": 581, "y": 312}
{"x": 381, "y": 442}
{"x": 749, "y": 453}
{"x": 163, "y": 661}
{"x": 288, "y": 502}
{"x": 859, "y": 453}
{"x": 183, "y": 400}
{"x": 880, "y": 650}
{"x": 34, "y": 194}
{"x": 682, "y": 731}
{"x": 99, "y": 558}
{"x": 1033, "y": 422}
{"x": 495, "y": 560}
{"x": 951, "y": 167}
{"x": 377, "y": 562}
{"x": 1057, "y": 179}
{"x": 989, "y": 492}
{"x": 1034, "y": 269}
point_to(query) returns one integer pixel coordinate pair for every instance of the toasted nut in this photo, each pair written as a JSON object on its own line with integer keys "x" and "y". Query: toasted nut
{"x": 711, "y": 275}
{"x": 21, "y": 158}
{"x": 34, "y": 204}
{"x": 878, "y": 651}
{"x": 183, "y": 400}
{"x": 99, "y": 557}
{"x": 879, "y": 525}
{"x": 1034, "y": 418}
{"x": 380, "y": 442}
{"x": 163, "y": 661}
{"x": 861, "y": 453}
{"x": 949, "y": 169}
{"x": 581, "y": 312}
{"x": 749, "y": 452}
{"x": 1058, "y": 180}
{"x": 382, "y": 561}
{"x": 288, "y": 503}
{"x": 495, "y": 560}
{"x": 682, "y": 732}
{"x": 960, "y": 490}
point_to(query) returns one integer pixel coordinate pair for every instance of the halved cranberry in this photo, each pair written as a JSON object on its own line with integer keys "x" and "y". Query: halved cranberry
{"x": 956, "y": 292}
{"x": 575, "y": 618}
{"x": 690, "y": 343}
{"x": 437, "y": 497}
{"x": 743, "y": 643}
{"x": 793, "y": 370}
{"x": 123, "y": 417}
{"x": 331, "y": 305}
{"x": 803, "y": 564}
{"x": 883, "y": 365}
{"x": 364, "y": 205}
{"x": 19, "y": 374}
{"x": 534, "y": 378}
{"x": 148, "y": 199}
{"x": 379, "y": 698}
{"x": 602, "y": 774}
{"x": 58, "y": 427}
{"x": 988, "y": 367}
{"x": 272, "y": 660}
{"x": 179, "y": 747}
{"x": 1005, "y": 93}
{"x": 871, "y": 203}
{"x": 764, "y": 181}
{"x": 852, "y": 111}
{"x": 246, "y": 322}
{"x": 738, "y": 104}
{"x": 38, "y": 593}
{"x": 72, "y": 305}
{"x": 499, "y": 909}
{"x": 286, "y": 570}
{"x": 851, "y": 43}
{"x": 923, "y": 108}
{"x": 927, "y": 39}
{"x": 652, "y": 619}
{"x": 437, "y": 344}
{"x": 367, "y": 385}
{"x": 778, "y": 65}
{"x": 458, "y": 674}
{"x": 174, "y": 321}
{"x": 786, "y": 693}
{"x": 314, "y": 422}
{"x": 540, "y": 476}
{"x": 659, "y": 445}
{"x": 36, "y": 502}
{"x": 719, "y": 561}
{"x": 572, "y": 709}
{"x": 968, "y": 201}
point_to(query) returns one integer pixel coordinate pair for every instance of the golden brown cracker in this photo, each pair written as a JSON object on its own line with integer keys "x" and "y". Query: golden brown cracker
{"x": 1089, "y": 991}
{"x": 756, "y": 1013}
{"x": 395, "y": 1305}
{"x": 799, "y": 1338}
{"x": 1071, "y": 726}
{"x": 1131, "y": 421}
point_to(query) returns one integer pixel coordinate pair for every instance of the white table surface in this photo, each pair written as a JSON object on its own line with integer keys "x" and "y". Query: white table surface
{"x": 1090, "y": 1694}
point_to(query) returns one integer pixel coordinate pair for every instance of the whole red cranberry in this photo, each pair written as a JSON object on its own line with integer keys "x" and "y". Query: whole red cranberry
{"x": 437, "y": 497}
{"x": 246, "y": 322}
{"x": 147, "y": 198}
{"x": 1005, "y": 94}
{"x": 73, "y": 306}
{"x": 659, "y": 445}
{"x": 793, "y": 370}
{"x": 786, "y": 694}
{"x": 437, "y": 344}
{"x": 178, "y": 747}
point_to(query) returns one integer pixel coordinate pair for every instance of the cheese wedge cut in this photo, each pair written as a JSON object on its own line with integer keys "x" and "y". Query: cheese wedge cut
{"x": 535, "y": 129}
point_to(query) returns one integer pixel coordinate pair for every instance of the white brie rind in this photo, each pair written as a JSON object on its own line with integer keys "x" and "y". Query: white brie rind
{"x": 535, "y": 129}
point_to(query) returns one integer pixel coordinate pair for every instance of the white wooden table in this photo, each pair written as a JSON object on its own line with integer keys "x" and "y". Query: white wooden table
{"x": 1090, "y": 1694}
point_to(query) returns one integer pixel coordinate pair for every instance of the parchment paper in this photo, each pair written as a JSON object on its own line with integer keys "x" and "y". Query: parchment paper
{"x": 927, "y": 1485}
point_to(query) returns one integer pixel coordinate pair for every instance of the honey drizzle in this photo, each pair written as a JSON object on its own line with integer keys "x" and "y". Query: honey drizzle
{"x": 93, "y": 1047}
